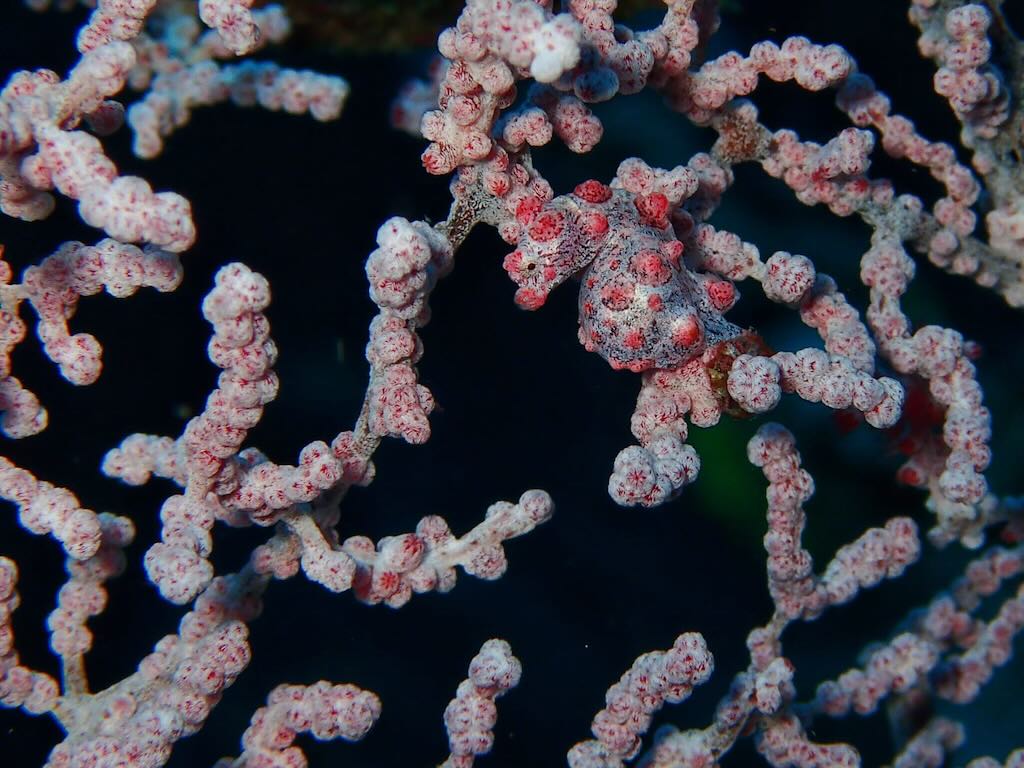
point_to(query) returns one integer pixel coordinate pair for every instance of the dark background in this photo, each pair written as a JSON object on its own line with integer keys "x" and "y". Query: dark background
{"x": 521, "y": 405}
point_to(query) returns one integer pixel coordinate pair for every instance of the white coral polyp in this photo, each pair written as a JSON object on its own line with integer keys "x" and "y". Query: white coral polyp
{"x": 556, "y": 49}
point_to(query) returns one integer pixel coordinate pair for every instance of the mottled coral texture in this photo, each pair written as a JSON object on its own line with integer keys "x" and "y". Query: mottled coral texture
{"x": 788, "y": 235}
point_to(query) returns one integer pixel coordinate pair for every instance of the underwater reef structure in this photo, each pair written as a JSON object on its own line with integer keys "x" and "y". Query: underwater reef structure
{"x": 655, "y": 170}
